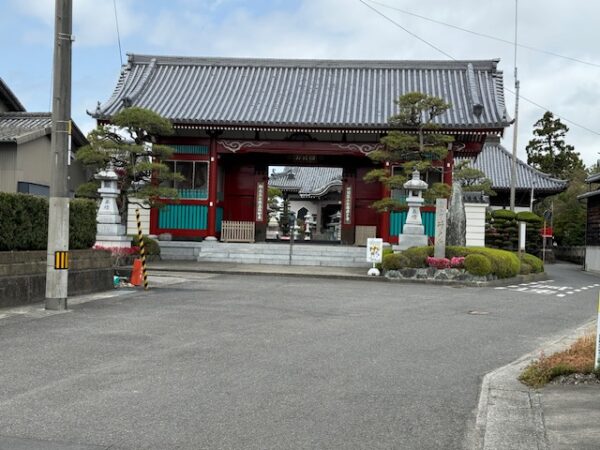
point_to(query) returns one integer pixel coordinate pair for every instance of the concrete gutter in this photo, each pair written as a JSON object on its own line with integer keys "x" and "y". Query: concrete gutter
{"x": 509, "y": 414}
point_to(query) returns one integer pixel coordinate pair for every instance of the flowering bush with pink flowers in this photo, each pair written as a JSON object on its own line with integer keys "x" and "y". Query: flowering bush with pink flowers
{"x": 457, "y": 262}
{"x": 120, "y": 255}
{"x": 445, "y": 263}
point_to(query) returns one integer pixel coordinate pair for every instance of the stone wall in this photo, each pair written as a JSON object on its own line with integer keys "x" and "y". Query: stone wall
{"x": 23, "y": 275}
{"x": 575, "y": 254}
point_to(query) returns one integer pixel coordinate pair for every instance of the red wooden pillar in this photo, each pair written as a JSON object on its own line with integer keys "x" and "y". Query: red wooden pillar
{"x": 213, "y": 173}
{"x": 448, "y": 168}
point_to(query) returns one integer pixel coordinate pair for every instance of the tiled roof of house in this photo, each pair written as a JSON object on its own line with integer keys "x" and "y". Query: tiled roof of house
{"x": 307, "y": 94}
{"x": 22, "y": 127}
{"x": 495, "y": 161}
{"x": 9, "y": 98}
{"x": 307, "y": 181}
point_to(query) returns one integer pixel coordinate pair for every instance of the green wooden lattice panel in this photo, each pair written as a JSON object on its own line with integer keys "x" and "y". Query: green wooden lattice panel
{"x": 398, "y": 219}
{"x": 190, "y": 149}
{"x": 183, "y": 217}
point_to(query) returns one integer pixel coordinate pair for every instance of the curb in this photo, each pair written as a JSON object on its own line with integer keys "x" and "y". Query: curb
{"x": 509, "y": 414}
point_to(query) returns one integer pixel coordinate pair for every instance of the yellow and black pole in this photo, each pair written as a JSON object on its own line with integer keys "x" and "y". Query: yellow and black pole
{"x": 142, "y": 248}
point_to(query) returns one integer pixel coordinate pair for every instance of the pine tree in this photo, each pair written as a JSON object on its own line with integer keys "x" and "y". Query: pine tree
{"x": 413, "y": 144}
{"x": 128, "y": 145}
{"x": 548, "y": 151}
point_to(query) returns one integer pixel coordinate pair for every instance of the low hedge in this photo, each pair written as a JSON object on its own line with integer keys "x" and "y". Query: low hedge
{"x": 537, "y": 265}
{"x": 503, "y": 214}
{"x": 395, "y": 261}
{"x": 24, "y": 222}
{"x": 504, "y": 264}
{"x": 478, "y": 265}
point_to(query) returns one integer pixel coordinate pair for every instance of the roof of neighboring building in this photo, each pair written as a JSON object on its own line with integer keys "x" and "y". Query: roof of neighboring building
{"x": 309, "y": 182}
{"x": 495, "y": 161}
{"x": 22, "y": 127}
{"x": 9, "y": 98}
{"x": 305, "y": 94}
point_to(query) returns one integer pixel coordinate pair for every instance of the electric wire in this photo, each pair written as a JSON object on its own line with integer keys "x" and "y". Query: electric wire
{"x": 487, "y": 36}
{"x": 583, "y": 127}
{"x": 118, "y": 33}
{"x": 407, "y": 31}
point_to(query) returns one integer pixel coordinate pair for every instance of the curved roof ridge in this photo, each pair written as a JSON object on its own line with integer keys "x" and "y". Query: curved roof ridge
{"x": 528, "y": 167}
{"x": 489, "y": 64}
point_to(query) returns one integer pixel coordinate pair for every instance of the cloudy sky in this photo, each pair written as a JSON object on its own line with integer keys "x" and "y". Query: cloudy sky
{"x": 332, "y": 29}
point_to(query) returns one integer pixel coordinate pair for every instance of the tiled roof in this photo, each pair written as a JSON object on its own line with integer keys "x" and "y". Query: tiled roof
{"x": 309, "y": 94}
{"x": 307, "y": 181}
{"x": 22, "y": 127}
{"x": 495, "y": 161}
{"x": 9, "y": 98}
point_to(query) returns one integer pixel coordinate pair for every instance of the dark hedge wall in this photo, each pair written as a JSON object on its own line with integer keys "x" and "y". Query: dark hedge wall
{"x": 24, "y": 222}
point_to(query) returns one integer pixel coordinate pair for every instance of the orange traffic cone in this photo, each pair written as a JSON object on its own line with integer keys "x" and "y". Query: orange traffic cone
{"x": 136, "y": 273}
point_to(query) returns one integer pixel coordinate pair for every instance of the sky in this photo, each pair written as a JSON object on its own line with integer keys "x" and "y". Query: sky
{"x": 322, "y": 29}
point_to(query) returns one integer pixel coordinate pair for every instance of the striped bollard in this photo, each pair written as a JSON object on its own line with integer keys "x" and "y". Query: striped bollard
{"x": 142, "y": 249}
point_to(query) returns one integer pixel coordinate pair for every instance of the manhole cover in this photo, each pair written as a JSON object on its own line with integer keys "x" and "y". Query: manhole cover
{"x": 478, "y": 313}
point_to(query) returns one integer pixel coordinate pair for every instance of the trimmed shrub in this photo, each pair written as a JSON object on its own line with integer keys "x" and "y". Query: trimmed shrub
{"x": 525, "y": 269}
{"x": 417, "y": 256}
{"x": 503, "y": 214}
{"x": 82, "y": 223}
{"x": 24, "y": 223}
{"x": 394, "y": 261}
{"x": 151, "y": 246}
{"x": 478, "y": 265}
{"x": 536, "y": 264}
{"x": 386, "y": 251}
{"x": 505, "y": 264}
{"x": 526, "y": 216}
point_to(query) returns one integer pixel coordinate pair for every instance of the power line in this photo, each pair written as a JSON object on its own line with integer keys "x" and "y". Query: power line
{"x": 484, "y": 35}
{"x": 407, "y": 31}
{"x": 583, "y": 127}
{"x": 118, "y": 33}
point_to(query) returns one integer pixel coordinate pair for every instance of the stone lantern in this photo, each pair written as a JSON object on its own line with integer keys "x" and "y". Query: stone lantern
{"x": 413, "y": 234}
{"x": 110, "y": 232}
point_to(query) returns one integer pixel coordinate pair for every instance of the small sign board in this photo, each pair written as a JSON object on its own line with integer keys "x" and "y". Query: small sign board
{"x": 374, "y": 250}
{"x": 61, "y": 260}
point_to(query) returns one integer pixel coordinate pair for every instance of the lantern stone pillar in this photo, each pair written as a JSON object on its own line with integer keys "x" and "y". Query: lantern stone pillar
{"x": 413, "y": 233}
{"x": 110, "y": 232}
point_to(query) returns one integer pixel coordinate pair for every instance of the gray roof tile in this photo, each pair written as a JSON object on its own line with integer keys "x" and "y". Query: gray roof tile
{"x": 495, "y": 161}
{"x": 22, "y": 127}
{"x": 307, "y": 181}
{"x": 305, "y": 93}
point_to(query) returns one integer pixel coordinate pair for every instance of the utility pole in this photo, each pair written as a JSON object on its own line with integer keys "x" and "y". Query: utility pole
{"x": 513, "y": 167}
{"x": 57, "y": 263}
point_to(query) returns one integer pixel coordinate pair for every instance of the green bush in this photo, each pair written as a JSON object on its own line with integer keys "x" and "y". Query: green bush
{"x": 526, "y": 216}
{"x": 505, "y": 264}
{"x": 82, "y": 223}
{"x": 417, "y": 256}
{"x": 536, "y": 264}
{"x": 503, "y": 214}
{"x": 386, "y": 251}
{"x": 395, "y": 261}
{"x": 24, "y": 223}
{"x": 478, "y": 264}
{"x": 151, "y": 246}
{"x": 526, "y": 269}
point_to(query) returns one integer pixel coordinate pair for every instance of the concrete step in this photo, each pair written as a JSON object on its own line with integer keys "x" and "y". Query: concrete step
{"x": 265, "y": 253}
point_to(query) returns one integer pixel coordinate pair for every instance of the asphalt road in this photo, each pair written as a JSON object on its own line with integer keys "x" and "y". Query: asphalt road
{"x": 256, "y": 362}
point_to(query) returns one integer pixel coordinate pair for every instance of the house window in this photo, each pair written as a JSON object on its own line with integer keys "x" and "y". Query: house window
{"x": 33, "y": 189}
{"x": 195, "y": 184}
